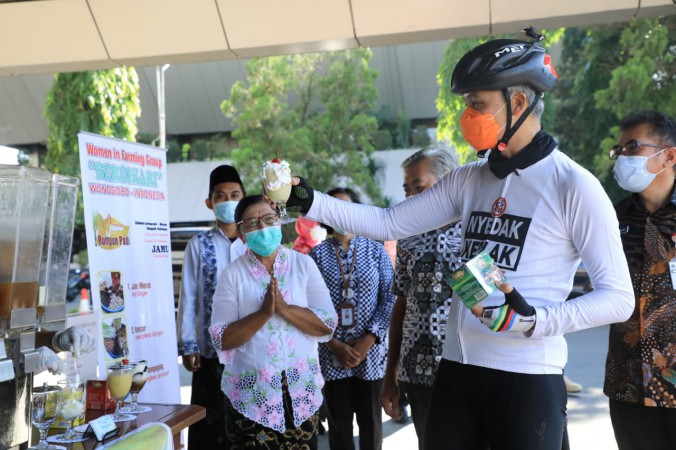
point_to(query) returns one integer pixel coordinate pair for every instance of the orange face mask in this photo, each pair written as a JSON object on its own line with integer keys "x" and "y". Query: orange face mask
{"x": 480, "y": 130}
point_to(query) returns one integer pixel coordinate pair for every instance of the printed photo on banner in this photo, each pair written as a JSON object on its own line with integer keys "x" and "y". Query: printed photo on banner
{"x": 111, "y": 233}
{"x": 115, "y": 337}
{"x": 111, "y": 291}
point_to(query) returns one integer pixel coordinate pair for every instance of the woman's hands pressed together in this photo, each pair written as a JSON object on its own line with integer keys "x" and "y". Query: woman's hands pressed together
{"x": 298, "y": 316}
{"x": 269, "y": 301}
{"x": 274, "y": 302}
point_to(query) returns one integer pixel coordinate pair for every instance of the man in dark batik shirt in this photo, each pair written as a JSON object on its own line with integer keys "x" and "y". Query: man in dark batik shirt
{"x": 641, "y": 365}
{"x": 419, "y": 317}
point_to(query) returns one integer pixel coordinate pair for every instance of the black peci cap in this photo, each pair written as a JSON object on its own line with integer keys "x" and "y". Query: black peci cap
{"x": 224, "y": 174}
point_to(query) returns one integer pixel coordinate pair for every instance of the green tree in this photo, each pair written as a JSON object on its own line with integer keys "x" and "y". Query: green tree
{"x": 451, "y": 106}
{"x": 607, "y": 73}
{"x": 104, "y": 102}
{"x": 213, "y": 148}
{"x": 315, "y": 111}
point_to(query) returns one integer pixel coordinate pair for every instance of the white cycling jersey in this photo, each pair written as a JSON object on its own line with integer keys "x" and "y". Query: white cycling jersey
{"x": 556, "y": 214}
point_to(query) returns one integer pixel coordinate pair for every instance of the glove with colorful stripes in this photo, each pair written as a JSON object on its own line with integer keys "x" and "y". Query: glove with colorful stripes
{"x": 514, "y": 315}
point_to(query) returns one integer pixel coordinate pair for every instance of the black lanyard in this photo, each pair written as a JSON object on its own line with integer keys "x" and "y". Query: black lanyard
{"x": 346, "y": 283}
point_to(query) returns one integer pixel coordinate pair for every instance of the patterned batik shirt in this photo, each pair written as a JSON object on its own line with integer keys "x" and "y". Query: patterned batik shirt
{"x": 641, "y": 363}
{"x": 371, "y": 290}
{"x": 423, "y": 264}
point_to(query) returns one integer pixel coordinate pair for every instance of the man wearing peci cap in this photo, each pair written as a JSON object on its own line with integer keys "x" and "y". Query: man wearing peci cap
{"x": 499, "y": 383}
{"x": 206, "y": 255}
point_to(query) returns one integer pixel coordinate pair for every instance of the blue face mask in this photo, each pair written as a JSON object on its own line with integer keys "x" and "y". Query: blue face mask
{"x": 631, "y": 172}
{"x": 225, "y": 211}
{"x": 264, "y": 242}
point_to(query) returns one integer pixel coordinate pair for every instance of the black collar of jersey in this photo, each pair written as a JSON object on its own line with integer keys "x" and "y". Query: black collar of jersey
{"x": 539, "y": 148}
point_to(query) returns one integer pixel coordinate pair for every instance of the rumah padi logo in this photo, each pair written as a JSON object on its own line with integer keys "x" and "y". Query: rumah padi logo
{"x": 110, "y": 233}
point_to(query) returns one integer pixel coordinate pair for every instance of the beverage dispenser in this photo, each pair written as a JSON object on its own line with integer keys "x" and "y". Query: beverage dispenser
{"x": 56, "y": 252}
{"x": 36, "y": 228}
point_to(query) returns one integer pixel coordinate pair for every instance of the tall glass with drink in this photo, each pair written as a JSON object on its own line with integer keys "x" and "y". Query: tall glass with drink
{"x": 276, "y": 176}
{"x": 72, "y": 406}
{"x": 138, "y": 380}
{"x": 120, "y": 376}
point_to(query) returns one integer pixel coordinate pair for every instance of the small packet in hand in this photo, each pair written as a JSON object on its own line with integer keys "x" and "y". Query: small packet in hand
{"x": 475, "y": 280}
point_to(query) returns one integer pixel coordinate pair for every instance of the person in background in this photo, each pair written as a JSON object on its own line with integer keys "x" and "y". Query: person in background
{"x": 537, "y": 214}
{"x": 206, "y": 255}
{"x": 270, "y": 309}
{"x": 419, "y": 317}
{"x": 641, "y": 364}
{"x": 358, "y": 273}
{"x": 310, "y": 233}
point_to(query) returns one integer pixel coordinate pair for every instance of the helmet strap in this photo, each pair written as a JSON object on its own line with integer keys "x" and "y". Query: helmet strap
{"x": 509, "y": 129}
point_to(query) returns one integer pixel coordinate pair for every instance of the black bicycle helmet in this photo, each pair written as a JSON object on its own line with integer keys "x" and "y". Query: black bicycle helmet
{"x": 501, "y": 63}
{"x": 498, "y": 64}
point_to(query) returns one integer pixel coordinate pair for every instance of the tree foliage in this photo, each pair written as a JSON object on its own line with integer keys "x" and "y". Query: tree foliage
{"x": 451, "y": 106}
{"x": 315, "y": 111}
{"x": 104, "y": 102}
{"x": 607, "y": 73}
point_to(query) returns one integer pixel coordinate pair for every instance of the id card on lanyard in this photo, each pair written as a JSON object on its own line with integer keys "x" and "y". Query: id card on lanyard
{"x": 672, "y": 265}
{"x": 346, "y": 310}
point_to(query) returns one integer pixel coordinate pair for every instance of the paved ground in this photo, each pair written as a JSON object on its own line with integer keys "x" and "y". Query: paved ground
{"x": 588, "y": 419}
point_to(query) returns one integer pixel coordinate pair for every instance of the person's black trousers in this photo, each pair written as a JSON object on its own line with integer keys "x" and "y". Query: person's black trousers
{"x": 475, "y": 408}
{"x": 639, "y": 427}
{"x": 419, "y": 396}
{"x": 350, "y": 396}
{"x": 206, "y": 391}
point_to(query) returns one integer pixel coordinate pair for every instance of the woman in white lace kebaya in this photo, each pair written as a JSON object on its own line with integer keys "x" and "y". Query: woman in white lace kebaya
{"x": 271, "y": 308}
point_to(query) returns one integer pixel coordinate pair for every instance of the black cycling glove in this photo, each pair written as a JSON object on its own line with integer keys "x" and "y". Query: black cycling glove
{"x": 301, "y": 197}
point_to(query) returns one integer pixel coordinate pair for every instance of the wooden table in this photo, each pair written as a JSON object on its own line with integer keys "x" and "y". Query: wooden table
{"x": 176, "y": 417}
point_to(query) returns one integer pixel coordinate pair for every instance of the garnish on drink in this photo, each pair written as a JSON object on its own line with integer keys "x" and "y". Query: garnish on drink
{"x": 276, "y": 176}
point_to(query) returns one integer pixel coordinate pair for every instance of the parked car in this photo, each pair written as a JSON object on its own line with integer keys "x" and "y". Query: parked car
{"x": 78, "y": 279}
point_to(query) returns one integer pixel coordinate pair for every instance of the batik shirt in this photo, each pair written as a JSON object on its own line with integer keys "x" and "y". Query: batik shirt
{"x": 205, "y": 256}
{"x": 423, "y": 265}
{"x": 252, "y": 373}
{"x": 371, "y": 294}
{"x": 641, "y": 363}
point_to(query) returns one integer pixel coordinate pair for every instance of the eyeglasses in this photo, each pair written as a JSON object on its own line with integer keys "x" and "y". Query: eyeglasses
{"x": 254, "y": 222}
{"x": 630, "y": 149}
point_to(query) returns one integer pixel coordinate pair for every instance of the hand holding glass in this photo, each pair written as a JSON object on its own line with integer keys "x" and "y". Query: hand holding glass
{"x": 276, "y": 176}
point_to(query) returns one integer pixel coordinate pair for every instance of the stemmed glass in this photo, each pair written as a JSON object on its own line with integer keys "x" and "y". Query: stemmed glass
{"x": 72, "y": 406}
{"x": 46, "y": 403}
{"x": 276, "y": 176}
{"x": 119, "y": 385}
{"x": 138, "y": 380}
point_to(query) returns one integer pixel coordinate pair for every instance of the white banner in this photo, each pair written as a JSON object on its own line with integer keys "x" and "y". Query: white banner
{"x": 126, "y": 215}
